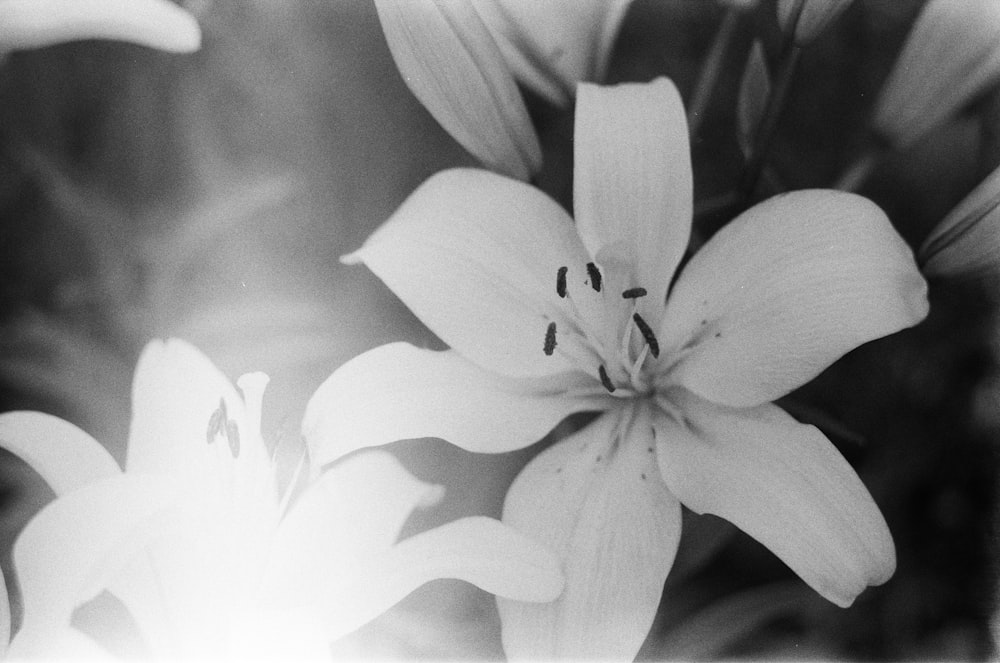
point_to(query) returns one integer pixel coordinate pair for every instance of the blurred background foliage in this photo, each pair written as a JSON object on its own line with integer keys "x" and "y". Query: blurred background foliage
{"x": 209, "y": 196}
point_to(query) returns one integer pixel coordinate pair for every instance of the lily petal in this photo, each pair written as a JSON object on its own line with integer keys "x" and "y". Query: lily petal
{"x": 175, "y": 392}
{"x": 68, "y": 551}
{"x": 475, "y": 256}
{"x": 354, "y": 510}
{"x": 551, "y": 47}
{"x": 782, "y": 483}
{"x": 478, "y": 550}
{"x": 966, "y": 244}
{"x": 951, "y": 55}
{"x": 632, "y": 180}
{"x": 154, "y": 23}
{"x": 450, "y": 62}
{"x": 432, "y": 394}
{"x": 63, "y": 455}
{"x": 56, "y": 644}
{"x": 786, "y": 289}
{"x": 597, "y": 499}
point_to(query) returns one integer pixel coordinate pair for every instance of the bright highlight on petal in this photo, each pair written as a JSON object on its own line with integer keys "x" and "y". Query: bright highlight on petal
{"x": 478, "y": 550}
{"x": 209, "y": 559}
{"x": 784, "y": 484}
{"x": 951, "y": 56}
{"x": 66, "y": 457}
{"x": 69, "y": 551}
{"x": 155, "y": 23}
{"x": 450, "y": 62}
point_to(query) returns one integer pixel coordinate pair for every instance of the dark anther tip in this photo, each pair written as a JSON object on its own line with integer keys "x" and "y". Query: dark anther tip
{"x": 605, "y": 380}
{"x": 634, "y": 293}
{"x": 647, "y": 335}
{"x": 550, "y": 339}
{"x": 595, "y": 276}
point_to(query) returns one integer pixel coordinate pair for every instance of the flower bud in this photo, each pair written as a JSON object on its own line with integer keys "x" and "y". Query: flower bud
{"x": 463, "y": 59}
{"x": 951, "y": 56}
{"x": 966, "y": 244}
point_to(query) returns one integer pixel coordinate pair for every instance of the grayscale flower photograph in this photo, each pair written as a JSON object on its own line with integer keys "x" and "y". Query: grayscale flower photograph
{"x": 484, "y": 330}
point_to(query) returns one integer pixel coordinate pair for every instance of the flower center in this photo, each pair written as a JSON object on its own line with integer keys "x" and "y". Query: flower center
{"x": 606, "y": 336}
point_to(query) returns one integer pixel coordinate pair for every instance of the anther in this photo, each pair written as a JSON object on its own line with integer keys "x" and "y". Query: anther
{"x": 561, "y": 281}
{"x": 647, "y": 334}
{"x": 634, "y": 293}
{"x": 216, "y": 422}
{"x": 550, "y": 339}
{"x": 233, "y": 435}
{"x": 605, "y": 380}
{"x": 595, "y": 276}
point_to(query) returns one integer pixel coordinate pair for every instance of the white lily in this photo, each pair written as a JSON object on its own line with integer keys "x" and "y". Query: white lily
{"x": 951, "y": 56}
{"x": 546, "y": 317}
{"x": 155, "y": 23}
{"x": 463, "y": 59}
{"x": 195, "y": 540}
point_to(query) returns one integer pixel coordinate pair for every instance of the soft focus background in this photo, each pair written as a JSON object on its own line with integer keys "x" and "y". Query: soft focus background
{"x": 209, "y": 196}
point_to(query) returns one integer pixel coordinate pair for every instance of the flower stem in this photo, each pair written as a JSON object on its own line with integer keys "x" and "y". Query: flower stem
{"x": 768, "y": 126}
{"x": 708, "y": 77}
{"x": 858, "y": 172}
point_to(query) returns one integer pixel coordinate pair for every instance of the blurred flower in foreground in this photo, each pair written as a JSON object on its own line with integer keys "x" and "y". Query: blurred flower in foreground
{"x": 546, "y": 318}
{"x": 815, "y": 16}
{"x": 463, "y": 60}
{"x": 155, "y": 23}
{"x": 966, "y": 244}
{"x": 951, "y": 56}
{"x": 197, "y": 543}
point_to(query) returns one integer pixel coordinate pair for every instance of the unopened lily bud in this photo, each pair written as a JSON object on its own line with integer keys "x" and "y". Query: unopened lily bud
{"x": 815, "y": 16}
{"x": 552, "y": 46}
{"x": 951, "y": 56}
{"x": 463, "y": 59}
{"x": 966, "y": 244}
{"x": 155, "y": 23}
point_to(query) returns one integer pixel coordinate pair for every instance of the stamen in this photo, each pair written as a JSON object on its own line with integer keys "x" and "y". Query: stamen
{"x": 595, "y": 276}
{"x": 605, "y": 380}
{"x": 561, "y": 281}
{"x": 550, "y": 339}
{"x": 647, "y": 333}
{"x": 634, "y": 293}
{"x": 216, "y": 422}
{"x": 233, "y": 435}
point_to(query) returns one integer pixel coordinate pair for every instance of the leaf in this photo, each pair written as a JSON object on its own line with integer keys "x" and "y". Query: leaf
{"x": 755, "y": 89}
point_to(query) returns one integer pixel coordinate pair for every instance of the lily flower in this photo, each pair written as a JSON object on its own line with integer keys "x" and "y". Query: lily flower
{"x": 209, "y": 558}
{"x": 158, "y": 24}
{"x": 463, "y": 61}
{"x": 966, "y": 243}
{"x": 546, "y": 317}
{"x": 951, "y": 56}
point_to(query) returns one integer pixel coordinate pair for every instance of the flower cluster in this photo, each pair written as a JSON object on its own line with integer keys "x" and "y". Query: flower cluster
{"x": 676, "y": 343}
